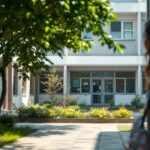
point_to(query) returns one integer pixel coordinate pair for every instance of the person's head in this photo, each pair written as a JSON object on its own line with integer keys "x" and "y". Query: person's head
{"x": 147, "y": 38}
{"x": 147, "y": 46}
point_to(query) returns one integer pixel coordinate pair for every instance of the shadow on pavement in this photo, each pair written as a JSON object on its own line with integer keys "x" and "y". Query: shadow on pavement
{"x": 110, "y": 141}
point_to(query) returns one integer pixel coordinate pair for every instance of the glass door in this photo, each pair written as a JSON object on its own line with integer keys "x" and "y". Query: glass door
{"x": 108, "y": 91}
{"x": 97, "y": 91}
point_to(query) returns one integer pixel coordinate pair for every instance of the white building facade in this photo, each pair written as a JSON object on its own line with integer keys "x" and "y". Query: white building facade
{"x": 99, "y": 76}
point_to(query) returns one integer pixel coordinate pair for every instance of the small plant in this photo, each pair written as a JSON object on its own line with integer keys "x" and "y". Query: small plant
{"x": 47, "y": 104}
{"x": 100, "y": 113}
{"x": 7, "y": 120}
{"x": 111, "y": 103}
{"x": 136, "y": 103}
{"x": 122, "y": 113}
{"x": 53, "y": 84}
{"x": 70, "y": 100}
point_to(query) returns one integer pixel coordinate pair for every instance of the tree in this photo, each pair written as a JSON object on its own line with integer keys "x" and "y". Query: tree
{"x": 53, "y": 84}
{"x": 29, "y": 29}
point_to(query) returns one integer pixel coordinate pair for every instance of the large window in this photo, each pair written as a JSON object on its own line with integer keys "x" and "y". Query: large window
{"x": 120, "y": 85}
{"x": 43, "y": 78}
{"x": 80, "y": 82}
{"x": 122, "y": 30}
{"x": 116, "y": 30}
{"x": 125, "y": 82}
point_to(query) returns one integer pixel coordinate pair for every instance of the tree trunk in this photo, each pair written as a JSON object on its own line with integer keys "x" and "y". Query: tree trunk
{"x": 3, "y": 94}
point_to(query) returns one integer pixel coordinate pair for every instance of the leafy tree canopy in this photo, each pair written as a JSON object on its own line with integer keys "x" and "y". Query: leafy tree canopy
{"x": 29, "y": 29}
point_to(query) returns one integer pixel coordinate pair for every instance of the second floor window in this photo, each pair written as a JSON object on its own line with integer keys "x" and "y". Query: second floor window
{"x": 122, "y": 30}
{"x": 87, "y": 35}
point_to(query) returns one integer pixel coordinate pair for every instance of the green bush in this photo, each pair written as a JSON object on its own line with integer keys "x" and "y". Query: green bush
{"x": 100, "y": 113}
{"x": 58, "y": 110}
{"x": 70, "y": 113}
{"x": 47, "y": 104}
{"x": 70, "y": 100}
{"x": 7, "y": 120}
{"x": 122, "y": 113}
{"x": 33, "y": 111}
{"x": 136, "y": 103}
{"x": 76, "y": 107}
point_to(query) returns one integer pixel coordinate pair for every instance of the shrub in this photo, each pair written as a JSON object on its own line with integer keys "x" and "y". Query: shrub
{"x": 47, "y": 104}
{"x": 70, "y": 113}
{"x": 100, "y": 113}
{"x": 76, "y": 107}
{"x": 7, "y": 120}
{"x": 33, "y": 111}
{"x": 52, "y": 113}
{"x": 122, "y": 113}
{"x": 58, "y": 110}
{"x": 136, "y": 103}
{"x": 70, "y": 100}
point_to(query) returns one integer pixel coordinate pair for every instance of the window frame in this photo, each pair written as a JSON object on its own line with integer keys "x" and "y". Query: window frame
{"x": 81, "y": 85}
{"x": 88, "y": 39}
{"x": 125, "y": 85}
{"x": 122, "y": 30}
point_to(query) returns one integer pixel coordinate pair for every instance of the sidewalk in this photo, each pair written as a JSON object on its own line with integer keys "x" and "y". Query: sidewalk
{"x": 71, "y": 137}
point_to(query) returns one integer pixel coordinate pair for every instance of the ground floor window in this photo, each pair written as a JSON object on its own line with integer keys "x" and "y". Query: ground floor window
{"x": 120, "y": 85}
{"x": 85, "y": 85}
{"x": 125, "y": 82}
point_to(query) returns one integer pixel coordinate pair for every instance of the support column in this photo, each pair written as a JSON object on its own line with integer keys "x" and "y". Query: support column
{"x": 28, "y": 89}
{"x": 139, "y": 81}
{"x": 65, "y": 83}
{"x": 19, "y": 91}
{"x": 139, "y": 22}
{"x": 36, "y": 91}
{"x": 9, "y": 92}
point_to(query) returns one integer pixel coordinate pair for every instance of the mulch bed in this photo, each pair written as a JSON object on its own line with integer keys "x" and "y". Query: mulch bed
{"x": 73, "y": 120}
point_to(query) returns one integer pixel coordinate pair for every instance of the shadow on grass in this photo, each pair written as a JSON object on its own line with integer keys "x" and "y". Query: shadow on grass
{"x": 44, "y": 131}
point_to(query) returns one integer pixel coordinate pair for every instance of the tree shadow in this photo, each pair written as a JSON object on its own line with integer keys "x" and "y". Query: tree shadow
{"x": 44, "y": 131}
{"x": 110, "y": 141}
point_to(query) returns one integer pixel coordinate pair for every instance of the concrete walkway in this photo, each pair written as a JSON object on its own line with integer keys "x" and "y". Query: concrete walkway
{"x": 71, "y": 137}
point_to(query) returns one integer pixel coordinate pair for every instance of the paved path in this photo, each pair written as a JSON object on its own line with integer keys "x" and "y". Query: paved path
{"x": 71, "y": 137}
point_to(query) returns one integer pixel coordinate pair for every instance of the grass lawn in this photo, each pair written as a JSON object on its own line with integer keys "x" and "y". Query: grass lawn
{"x": 124, "y": 128}
{"x": 11, "y": 134}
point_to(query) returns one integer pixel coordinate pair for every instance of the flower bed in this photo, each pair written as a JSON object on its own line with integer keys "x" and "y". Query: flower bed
{"x": 38, "y": 111}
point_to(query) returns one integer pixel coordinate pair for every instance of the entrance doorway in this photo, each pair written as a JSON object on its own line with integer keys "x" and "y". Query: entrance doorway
{"x": 102, "y": 91}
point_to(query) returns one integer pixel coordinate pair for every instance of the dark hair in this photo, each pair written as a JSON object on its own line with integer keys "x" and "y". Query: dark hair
{"x": 147, "y": 29}
{"x": 147, "y": 36}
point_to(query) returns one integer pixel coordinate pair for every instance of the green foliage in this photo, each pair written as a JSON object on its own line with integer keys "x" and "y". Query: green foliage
{"x": 70, "y": 100}
{"x": 137, "y": 103}
{"x": 100, "y": 113}
{"x": 122, "y": 113}
{"x": 33, "y": 111}
{"x": 11, "y": 134}
{"x": 76, "y": 107}
{"x": 53, "y": 84}
{"x": 47, "y": 104}
{"x": 70, "y": 113}
{"x": 30, "y": 29}
{"x": 7, "y": 120}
